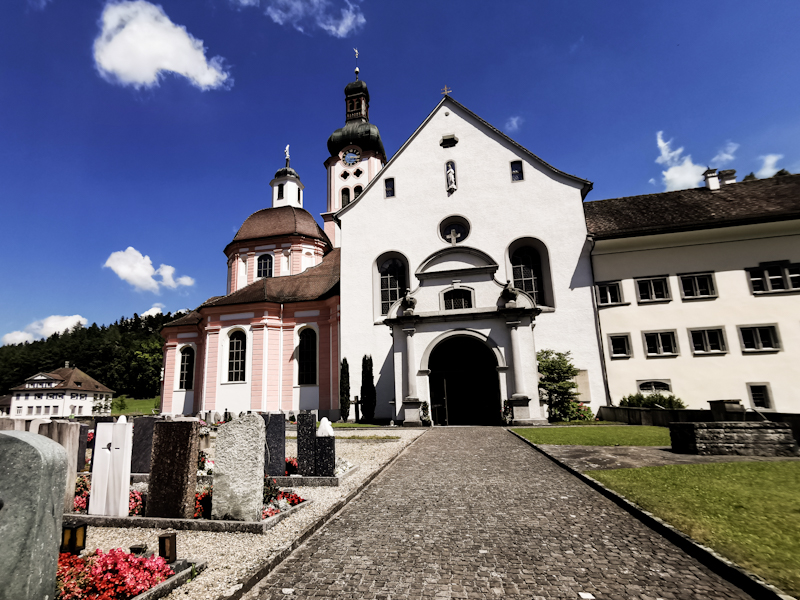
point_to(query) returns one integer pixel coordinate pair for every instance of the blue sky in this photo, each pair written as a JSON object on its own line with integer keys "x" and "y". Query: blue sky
{"x": 135, "y": 137}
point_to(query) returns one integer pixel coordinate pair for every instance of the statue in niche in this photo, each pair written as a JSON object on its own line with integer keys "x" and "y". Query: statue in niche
{"x": 509, "y": 295}
{"x": 408, "y": 303}
{"x": 451, "y": 177}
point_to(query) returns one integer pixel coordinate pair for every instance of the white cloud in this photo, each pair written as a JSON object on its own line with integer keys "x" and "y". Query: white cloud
{"x": 153, "y": 311}
{"x": 38, "y": 4}
{"x": 651, "y": 181}
{"x": 770, "y": 165}
{"x": 131, "y": 266}
{"x": 138, "y": 43}
{"x": 300, "y": 13}
{"x": 44, "y": 328}
{"x": 513, "y": 123}
{"x": 725, "y": 155}
{"x": 681, "y": 173}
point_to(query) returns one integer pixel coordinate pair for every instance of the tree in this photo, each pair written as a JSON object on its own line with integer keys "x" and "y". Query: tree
{"x": 344, "y": 390}
{"x": 367, "y": 389}
{"x": 557, "y": 384}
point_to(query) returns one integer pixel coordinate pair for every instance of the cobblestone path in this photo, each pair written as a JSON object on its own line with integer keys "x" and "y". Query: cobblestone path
{"x": 473, "y": 512}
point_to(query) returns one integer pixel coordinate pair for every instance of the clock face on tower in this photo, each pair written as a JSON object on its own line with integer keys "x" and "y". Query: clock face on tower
{"x": 351, "y": 156}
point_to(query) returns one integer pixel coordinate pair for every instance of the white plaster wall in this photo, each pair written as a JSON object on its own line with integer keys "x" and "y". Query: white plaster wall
{"x": 545, "y": 205}
{"x": 233, "y": 396}
{"x": 726, "y": 252}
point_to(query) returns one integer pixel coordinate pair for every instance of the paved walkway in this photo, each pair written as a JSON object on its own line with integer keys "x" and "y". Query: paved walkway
{"x": 473, "y": 512}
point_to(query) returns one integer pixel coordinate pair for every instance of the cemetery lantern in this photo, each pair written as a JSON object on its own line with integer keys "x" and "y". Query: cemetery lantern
{"x": 73, "y": 538}
{"x": 166, "y": 547}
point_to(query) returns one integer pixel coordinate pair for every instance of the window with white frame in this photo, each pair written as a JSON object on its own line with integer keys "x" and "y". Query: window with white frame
{"x": 19, "y": 410}
{"x": 759, "y": 395}
{"x": 660, "y": 343}
{"x": 697, "y": 286}
{"x": 654, "y": 386}
{"x": 609, "y": 292}
{"x": 457, "y": 299}
{"x": 186, "y": 381}
{"x": 708, "y": 341}
{"x": 264, "y": 266}
{"x": 237, "y": 351}
{"x": 620, "y": 345}
{"x": 759, "y": 338}
{"x": 527, "y": 270}
{"x": 307, "y": 357}
{"x": 774, "y": 277}
{"x": 653, "y": 289}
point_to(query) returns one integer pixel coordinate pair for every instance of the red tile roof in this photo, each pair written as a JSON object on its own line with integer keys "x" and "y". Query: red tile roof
{"x": 69, "y": 379}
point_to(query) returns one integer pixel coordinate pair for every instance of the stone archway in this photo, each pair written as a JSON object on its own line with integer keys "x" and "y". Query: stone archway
{"x": 464, "y": 384}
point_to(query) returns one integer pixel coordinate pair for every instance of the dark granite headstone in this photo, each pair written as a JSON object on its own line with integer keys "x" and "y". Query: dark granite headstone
{"x": 83, "y": 442}
{"x": 141, "y": 454}
{"x": 325, "y": 456}
{"x": 306, "y": 442}
{"x": 173, "y": 469}
{"x": 275, "y": 451}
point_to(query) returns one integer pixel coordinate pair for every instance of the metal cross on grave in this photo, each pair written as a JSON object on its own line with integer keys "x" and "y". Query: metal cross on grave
{"x": 452, "y": 236}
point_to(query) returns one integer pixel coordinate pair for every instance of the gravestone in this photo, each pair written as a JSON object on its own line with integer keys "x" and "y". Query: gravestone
{"x": 325, "y": 456}
{"x": 111, "y": 469}
{"x": 68, "y": 435}
{"x": 239, "y": 469}
{"x": 33, "y": 474}
{"x": 34, "y": 425}
{"x": 9, "y": 424}
{"x": 83, "y": 444}
{"x": 142, "y": 444}
{"x": 97, "y": 421}
{"x": 306, "y": 443}
{"x": 173, "y": 469}
{"x": 276, "y": 445}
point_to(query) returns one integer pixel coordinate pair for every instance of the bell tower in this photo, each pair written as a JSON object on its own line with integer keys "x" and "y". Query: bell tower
{"x": 356, "y": 155}
{"x": 287, "y": 190}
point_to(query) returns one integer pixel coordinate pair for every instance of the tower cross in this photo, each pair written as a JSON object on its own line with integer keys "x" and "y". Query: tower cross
{"x": 446, "y": 90}
{"x": 452, "y": 236}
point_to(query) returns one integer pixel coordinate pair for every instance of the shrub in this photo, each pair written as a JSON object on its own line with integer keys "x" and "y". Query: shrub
{"x": 557, "y": 384}
{"x": 640, "y": 400}
{"x": 424, "y": 414}
{"x": 367, "y": 390}
{"x": 271, "y": 489}
{"x": 344, "y": 390}
{"x": 508, "y": 412}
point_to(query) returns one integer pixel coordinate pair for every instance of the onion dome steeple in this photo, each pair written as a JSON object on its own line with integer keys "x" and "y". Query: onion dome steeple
{"x": 358, "y": 130}
{"x": 287, "y": 190}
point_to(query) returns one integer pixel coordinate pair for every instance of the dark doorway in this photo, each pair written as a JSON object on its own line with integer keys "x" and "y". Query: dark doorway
{"x": 465, "y": 389}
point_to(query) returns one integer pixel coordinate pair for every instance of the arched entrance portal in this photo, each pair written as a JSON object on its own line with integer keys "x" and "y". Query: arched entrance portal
{"x": 465, "y": 389}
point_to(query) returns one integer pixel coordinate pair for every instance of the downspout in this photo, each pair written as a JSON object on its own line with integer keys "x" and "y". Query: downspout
{"x": 597, "y": 328}
{"x": 280, "y": 365}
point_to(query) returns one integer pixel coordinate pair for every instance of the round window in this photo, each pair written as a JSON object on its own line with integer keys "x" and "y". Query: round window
{"x": 454, "y": 230}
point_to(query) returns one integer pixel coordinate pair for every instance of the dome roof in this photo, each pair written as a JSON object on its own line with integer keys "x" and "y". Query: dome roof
{"x": 362, "y": 134}
{"x": 356, "y": 87}
{"x": 286, "y": 172}
{"x": 273, "y": 222}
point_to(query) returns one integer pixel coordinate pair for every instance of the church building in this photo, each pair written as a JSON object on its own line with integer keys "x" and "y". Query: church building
{"x": 494, "y": 254}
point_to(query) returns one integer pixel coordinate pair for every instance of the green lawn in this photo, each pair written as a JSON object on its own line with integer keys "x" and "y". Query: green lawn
{"x": 748, "y": 512}
{"x": 584, "y": 423}
{"x": 352, "y": 425}
{"x": 144, "y": 406}
{"x": 631, "y": 435}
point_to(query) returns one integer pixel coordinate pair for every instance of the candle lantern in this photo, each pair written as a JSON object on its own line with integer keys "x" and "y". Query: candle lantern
{"x": 73, "y": 538}
{"x": 166, "y": 547}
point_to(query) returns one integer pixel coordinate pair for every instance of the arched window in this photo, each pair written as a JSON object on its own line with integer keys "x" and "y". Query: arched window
{"x": 237, "y": 350}
{"x": 187, "y": 368}
{"x": 653, "y": 387}
{"x": 345, "y": 196}
{"x": 265, "y": 265}
{"x": 357, "y": 191}
{"x": 527, "y": 267}
{"x": 280, "y": 191}
{"x": 393, "y": 282}
{"x": 307, "y": 358}
{"x": 455, "y": 299}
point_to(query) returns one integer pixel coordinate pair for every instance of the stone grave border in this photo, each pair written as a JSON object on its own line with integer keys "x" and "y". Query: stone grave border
{"x": 177, "y": 580}
{"x": 291, "y": 481}
{"x": 249, "y": 581}
{"x": 725, "y": 568}
{"x": 186, "y": 524}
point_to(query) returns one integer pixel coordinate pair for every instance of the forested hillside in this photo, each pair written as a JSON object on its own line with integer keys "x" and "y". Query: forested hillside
{"x": 125, "y": 356}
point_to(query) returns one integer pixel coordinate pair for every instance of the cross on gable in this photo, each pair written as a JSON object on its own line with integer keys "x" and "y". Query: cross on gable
{"x": 452, "y": 236}
{"x": 446, "y": 90}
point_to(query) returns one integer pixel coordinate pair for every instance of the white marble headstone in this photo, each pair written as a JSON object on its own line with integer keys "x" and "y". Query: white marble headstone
{"x": 111, "y": 469}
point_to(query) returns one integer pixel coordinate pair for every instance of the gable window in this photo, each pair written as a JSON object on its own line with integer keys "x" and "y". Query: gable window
{"x": 187, "y": 368}
{"x": 698, "y": 286}
{"x": 620, "y": 345}
{"x": 393, "y": 283}
{"x": 527, "y": 269}
{"x": 774, "y": 277}
{"x": 516, "y": 170}
{"x": 280, "y": 191}
{"x": 761, "y": 338}
{"x": 653, "y": 289}
{"x": 759, "y": 395}
{"x": 456, "y": 299}
{"x": 345, "y": 196}
{"x": 708, "y": 341}
{"x": 264, "y": 266}
{"x": 237, "y": 350}
{"x": 654, "y": 387}
{"x": 609, "y": 293}
{"x": 388, "y": 186}
{"x": 307, "y": 358}
{"x": 660, "y": 343}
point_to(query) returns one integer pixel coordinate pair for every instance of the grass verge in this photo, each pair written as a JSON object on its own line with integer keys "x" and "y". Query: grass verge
{"x": 632, "y": 435}
{"x": 144, "y": 406}
{"x": 356, "y": 425}
{"x": 585, "y": 423}
{"x": 748, "y": 512}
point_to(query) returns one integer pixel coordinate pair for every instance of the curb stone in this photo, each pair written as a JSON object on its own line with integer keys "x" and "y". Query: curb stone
{"x": 725, "y": 568}
{"x": 248, "y": 582}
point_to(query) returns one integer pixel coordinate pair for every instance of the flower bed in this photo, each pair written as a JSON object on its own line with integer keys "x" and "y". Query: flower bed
{"x": 83, "y": 488}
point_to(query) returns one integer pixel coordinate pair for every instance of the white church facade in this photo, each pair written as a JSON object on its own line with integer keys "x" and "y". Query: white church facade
{"x": 492, "y": 255}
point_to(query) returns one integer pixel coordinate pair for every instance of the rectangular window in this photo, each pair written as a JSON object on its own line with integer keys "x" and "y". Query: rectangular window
{"x": 620, "y": 346}
{"x": 30, "y": 410}
{"x": 759, "y": 395}
{"x": 609, "y": 293}
{"x": 660, "y": 343}
{"x": 38, "y": 410}
{"x": 19, "y": 410}
{"x": 761, "y": 338}
{"x": 47, "y": 410}
{"x": 388, "y": 185}
{"x": 708, "y": 341}
{"x": 774, "y": 277}
{"x": 457, "y": 299}
{"x": 280, "y": 191}
{"x": 698, "y": 286}
{"x": 516, "y": 170}
{"x": 654, "y": 289}
{"x": 80, "y": 410}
